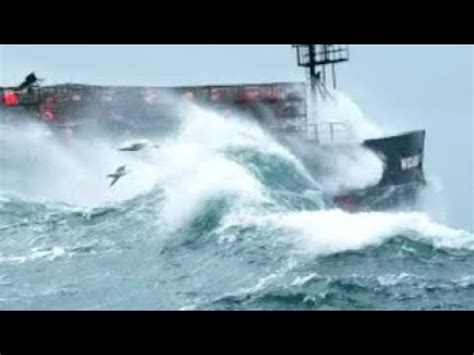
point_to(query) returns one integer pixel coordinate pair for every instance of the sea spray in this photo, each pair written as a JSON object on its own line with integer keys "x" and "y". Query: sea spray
{"x": 222, "y": 216}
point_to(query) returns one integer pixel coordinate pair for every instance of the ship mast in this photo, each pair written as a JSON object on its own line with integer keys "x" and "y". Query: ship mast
{"x": 316, "y": 58}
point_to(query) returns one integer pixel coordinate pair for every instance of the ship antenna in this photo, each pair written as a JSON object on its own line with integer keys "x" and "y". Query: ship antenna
{"x": 316, "y": 58}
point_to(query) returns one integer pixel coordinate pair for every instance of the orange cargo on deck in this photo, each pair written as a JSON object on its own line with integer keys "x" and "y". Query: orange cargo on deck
{"x": 11, "y": 98}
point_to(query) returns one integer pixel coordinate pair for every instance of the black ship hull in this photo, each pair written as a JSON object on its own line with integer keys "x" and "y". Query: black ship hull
{"x": 403, "y": 177}
{"x": 398, "y": 186}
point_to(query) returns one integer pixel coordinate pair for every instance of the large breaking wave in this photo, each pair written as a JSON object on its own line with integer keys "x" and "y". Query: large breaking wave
{"x": 221, "y": 216}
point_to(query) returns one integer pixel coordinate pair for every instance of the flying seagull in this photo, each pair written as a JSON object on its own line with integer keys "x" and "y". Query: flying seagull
{"x": 119, "y": 173}
{"x": 136, "y": 146}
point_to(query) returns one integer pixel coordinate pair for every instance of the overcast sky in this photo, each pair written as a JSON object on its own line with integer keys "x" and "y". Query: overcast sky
{"x": 399, "y": 87}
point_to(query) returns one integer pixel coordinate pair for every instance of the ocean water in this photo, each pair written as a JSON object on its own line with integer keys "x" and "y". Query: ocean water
{"x": 220, "y": 217}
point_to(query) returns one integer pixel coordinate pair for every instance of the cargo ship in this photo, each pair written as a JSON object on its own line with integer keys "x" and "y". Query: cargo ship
{"x": 287, "y": 110}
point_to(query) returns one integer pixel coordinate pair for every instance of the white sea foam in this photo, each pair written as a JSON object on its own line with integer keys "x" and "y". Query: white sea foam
{"x": 332, "y": 231}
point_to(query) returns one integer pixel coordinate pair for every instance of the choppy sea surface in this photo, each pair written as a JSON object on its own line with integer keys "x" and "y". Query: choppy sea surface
{"x": 220, "y": 217}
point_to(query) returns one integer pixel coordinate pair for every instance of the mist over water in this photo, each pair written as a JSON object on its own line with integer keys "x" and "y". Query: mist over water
{"x": 221, "y": 216}
{"x": 341, "y": 108}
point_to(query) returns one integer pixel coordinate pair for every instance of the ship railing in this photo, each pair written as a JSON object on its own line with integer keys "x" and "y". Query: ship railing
{"x": 329, "y": 132}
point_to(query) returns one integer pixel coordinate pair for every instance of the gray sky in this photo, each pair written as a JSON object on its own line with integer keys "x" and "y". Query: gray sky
{"x": 399, "y": 87}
